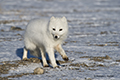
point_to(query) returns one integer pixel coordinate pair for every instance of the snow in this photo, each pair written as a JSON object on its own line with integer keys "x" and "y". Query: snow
{"x": 94, "y": 31}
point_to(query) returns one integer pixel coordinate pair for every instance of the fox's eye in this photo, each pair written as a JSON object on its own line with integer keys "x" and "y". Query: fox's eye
{"x": 53, "y": 29}
{"x": 60, "y": 29}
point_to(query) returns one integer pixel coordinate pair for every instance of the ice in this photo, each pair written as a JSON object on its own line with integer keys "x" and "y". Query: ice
{"x": 94, "y": 32}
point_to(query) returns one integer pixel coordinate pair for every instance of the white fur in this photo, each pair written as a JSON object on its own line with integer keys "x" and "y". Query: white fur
{"x": 43, "y": 36}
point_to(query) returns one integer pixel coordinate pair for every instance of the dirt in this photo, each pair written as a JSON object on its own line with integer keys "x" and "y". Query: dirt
{"x": 102, "y": 45}
{"x": 98, "y": 58}
{"x": 86, "y": 65}
{"x": 10, "y": 21}
{"x": 117, "y": 60}
{"x": 16, "y": 28}
{"x": 5, "y": 66}
{"x": 103, "y": 32}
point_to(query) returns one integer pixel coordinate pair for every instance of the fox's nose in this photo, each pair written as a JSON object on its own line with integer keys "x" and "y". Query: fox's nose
{"x": 56, "y": 37}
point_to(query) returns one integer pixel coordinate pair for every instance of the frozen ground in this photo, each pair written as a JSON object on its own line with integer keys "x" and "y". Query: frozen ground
{"x": 93, "y": 44}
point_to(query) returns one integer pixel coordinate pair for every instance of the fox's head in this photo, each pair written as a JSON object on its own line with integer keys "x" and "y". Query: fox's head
{"x": 58, "y": 27}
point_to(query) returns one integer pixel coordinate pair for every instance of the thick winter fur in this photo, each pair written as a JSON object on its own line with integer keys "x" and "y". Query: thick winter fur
{"x": 43, "y": 36}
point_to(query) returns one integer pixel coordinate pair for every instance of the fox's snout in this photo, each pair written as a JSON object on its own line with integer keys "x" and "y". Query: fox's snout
{"x": 56, "y": 36}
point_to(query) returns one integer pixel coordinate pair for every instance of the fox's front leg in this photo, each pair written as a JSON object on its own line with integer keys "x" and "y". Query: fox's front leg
{"x": 43, "y": 57}
{"x": 62, "y": 52}
{"x": 51, "y": 55}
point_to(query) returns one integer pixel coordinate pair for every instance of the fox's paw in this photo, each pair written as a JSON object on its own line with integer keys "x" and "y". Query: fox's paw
{"x": 66, "y": 58}
{"x": 25, "y": 59}
{"x": 46, "y": 65}
{"x": 55, "y": 66}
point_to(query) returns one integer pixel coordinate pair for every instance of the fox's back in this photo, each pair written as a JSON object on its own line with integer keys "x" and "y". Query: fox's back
{"x": 37, "y": 25}
{"x": 36, "y": 30}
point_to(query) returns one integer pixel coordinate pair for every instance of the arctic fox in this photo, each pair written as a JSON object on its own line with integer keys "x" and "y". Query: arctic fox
{"x": 43, "y": 36}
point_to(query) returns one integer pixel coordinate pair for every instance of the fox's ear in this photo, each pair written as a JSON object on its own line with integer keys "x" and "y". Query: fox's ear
{"x": 52, "y": 18}
{"x": 64, "y": 19}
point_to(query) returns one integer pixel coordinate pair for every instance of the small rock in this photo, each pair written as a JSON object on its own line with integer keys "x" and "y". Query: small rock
{"x": 105, "y": 44}
{"x": 38, "y": 71}
{"x": 107, "y": 57}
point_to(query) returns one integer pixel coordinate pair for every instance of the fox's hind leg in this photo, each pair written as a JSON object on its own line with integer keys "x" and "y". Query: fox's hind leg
{"x": 62, "y": 52}
{"x": 28, "y": 46}
{"x": 25, "y": 54}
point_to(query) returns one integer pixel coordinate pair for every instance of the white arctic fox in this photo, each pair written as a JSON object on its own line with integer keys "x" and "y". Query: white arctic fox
{"x": 43, "y": 36}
